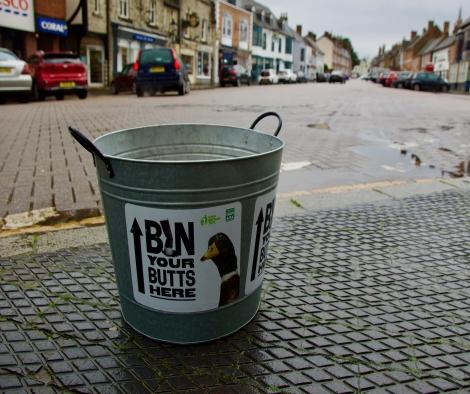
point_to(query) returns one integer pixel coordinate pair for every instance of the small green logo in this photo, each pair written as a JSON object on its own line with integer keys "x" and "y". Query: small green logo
{"x": 229, "y": 214}
{"x": 209, "y": 219}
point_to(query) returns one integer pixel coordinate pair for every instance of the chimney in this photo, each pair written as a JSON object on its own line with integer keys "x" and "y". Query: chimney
{"x": 430, "y": 25}
{"x": 446, "y": 28}
{"x": 312, "y": 35}
{"x": 413, "y": 34}
{"x": 299, "y": 29}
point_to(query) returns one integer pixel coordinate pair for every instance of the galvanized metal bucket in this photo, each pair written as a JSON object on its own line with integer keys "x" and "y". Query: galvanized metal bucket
{"x": 189, "y": 210}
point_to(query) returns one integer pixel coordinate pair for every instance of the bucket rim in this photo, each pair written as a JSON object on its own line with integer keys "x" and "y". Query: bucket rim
{"x": 231, "y": 159}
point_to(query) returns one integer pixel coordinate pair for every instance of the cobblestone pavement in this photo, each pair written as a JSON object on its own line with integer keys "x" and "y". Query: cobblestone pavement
{"x": 341, "y": 134}
{"x": 371, "y": 298}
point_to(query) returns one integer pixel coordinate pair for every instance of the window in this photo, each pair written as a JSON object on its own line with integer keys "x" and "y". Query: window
{"x": 302, "y": 54}
{"x": 227, "y": 25}
{"x": 243, "y": 31}
{"x": 203, "y": 65}
{"x": 96, "y": 7}
{"x": 204, "y": 30}
{"x": 280, "y": 45}
{"x": 264, "y": 40}
{"x": 273, "y": 43}
{"x": 257, "y": 35}
{"x": 124, "y": 8}
{"x": 288, "y": 45}
{"x": 152, "y": 13}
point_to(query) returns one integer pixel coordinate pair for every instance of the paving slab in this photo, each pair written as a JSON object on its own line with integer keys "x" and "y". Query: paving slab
{"x": 373, "y": 297}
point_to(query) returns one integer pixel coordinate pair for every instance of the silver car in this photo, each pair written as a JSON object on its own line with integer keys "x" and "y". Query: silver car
{"x": 15, "y": 77}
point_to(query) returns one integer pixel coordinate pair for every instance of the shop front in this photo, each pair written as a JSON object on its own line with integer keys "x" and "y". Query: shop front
{"x": 127, "y": 42}
{"x": 17, "y": 26}
{"x": 50, "y": 33}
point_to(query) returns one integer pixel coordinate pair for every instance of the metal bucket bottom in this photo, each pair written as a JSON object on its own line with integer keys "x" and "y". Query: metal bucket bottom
{"x": 199, "y": 327}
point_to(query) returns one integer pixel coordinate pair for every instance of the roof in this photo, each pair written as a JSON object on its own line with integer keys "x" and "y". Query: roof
{"x": 249, "y": 4}
{"x": 431, "y": 45}
{"x": 309, "y": 41}
{"x": 445, "y": 43}
{"x": 465, "y": 23}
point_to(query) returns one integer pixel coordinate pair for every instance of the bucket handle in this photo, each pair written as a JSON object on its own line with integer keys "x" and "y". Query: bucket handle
{"x": 265, "y": 115}
{"x": 92, "y": 148}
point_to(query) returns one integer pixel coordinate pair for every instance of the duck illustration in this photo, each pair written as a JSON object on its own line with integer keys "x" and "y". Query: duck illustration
{"x": 222, "y": 253}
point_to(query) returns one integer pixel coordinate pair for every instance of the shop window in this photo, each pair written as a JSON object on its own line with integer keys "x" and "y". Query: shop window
{"x": 124, "y": 8}
{"x": 204, "y": 31}
{"x": 188, "y": 63}
{"x": 203, "y": 64}
{"x": 152, "y": 12}
{"x": 264, "y": 40}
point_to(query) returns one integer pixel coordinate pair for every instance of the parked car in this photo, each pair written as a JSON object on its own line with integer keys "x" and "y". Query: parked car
{"x": 428, "y": 81}
{"x": 383, "y": 77}
{"x": 287, "y": 76}
{"x": 160, "y": 70}
{"x": 124, "y": 81}
{"x": 321, "y": 77}
{"x": 401, "y": 80}
{"x": 15, "y": 77}
{"x": 301, "y": 77}
{"x": 337, "y": 76}
{"x": 268, "y": 77}
{"x": 57, "y": 74}
{"x": 235, "y": 75}
{"x": 391, "y": 76}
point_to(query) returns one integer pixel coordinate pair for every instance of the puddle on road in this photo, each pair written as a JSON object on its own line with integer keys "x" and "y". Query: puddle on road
{"x": 398, "y": 160}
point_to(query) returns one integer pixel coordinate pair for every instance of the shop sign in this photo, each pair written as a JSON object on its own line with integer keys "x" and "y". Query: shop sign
{"x": 52, "y": 26}
{"x": 143, "y": 37}
{"x": 17, "y": 14}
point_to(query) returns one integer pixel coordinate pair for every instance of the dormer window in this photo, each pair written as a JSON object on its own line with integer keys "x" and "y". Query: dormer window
{"x": 271, "y": 19}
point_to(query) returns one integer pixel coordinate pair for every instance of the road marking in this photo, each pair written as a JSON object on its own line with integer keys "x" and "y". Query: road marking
{"x": 294, "y": 165}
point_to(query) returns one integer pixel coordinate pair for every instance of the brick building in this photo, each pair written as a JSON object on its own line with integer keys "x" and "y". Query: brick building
{"x": 234, "y": 33}
{"x": 412, "y": 52}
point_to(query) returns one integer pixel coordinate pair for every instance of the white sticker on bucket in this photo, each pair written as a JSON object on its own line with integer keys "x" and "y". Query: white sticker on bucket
{"x": 260, "y": 234}
{"x": 184, "y": 260}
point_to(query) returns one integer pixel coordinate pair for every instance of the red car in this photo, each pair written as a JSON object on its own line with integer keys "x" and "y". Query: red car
{"x": 57, "y": 74}
{"x": 392, "y": 76}
{"x": 124, "y": 81}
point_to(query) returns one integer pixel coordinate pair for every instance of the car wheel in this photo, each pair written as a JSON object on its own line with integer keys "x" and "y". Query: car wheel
{"x": 38, "y": 94}
{"x": 114, "y": 89}
{"x": 59, "y": 96}
{"x": 248, "y": 82}
{"x": 416, "y": 87}
{"x": 139, "y": 91}
{"x": 82, "y": 95}
{"x": 222, "y": 85}
{"x": 182, "y": 89}
{"x": 444, "y": 89}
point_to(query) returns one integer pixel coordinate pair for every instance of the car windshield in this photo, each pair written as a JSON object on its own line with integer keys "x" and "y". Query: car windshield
{"x": 4, "y": 55}
{"x": 161, "y": 56}
{"x": 61, "y": 58}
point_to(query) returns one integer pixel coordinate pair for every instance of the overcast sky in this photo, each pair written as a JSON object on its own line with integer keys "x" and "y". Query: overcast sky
{"x": 368, "y": 23}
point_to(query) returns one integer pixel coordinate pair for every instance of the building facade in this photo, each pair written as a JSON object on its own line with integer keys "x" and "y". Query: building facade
{"x": 336, "y": 57}
{"x": 234, "y": 33}
{"x": 197, "y": 40}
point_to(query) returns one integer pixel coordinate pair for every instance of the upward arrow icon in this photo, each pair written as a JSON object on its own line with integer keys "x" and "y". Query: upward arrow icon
{"x": 137, "y": 233}
{"x": 259, "y": 225}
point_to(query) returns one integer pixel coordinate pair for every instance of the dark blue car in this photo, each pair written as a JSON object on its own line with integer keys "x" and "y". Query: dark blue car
{"x": 160, "y": 70}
